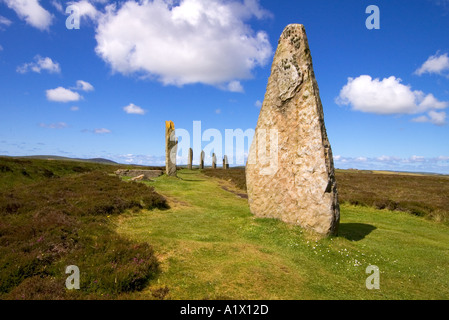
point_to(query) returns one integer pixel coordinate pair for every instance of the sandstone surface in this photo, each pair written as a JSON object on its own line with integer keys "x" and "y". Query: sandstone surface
{"x": 290, "y": 171}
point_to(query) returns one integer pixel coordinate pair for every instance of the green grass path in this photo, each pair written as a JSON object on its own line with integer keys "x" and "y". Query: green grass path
{"x": 211, "y": 247}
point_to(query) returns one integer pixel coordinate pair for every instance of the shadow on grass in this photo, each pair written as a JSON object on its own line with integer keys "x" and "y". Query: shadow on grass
{"x": 355, "y": 231}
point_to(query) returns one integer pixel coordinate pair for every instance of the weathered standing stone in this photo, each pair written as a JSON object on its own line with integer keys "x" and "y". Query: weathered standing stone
{"x": 225, "y": 162}
{"x": 214, "y": 161}
{"x": 171, "y": 146}
{"x": 202, "y": 159}
{"x": 296, "y": 183}
{"x": 189, "y": 165}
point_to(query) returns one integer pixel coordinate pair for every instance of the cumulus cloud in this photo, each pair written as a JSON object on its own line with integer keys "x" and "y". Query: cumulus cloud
{"x": 83, "y": 85}
{"x": 61, "y": 94}
{"x": 258, "y": 103}
{"x": 387, "y": 96}
{"x": 235, "y": 86}
{"x": 133, "y": 109}
{"x": 32, "y": 12}
{"x": 192, "y": 41}
{"x": 74, "y": 108}
{"x": 85, "y": 9}
{"x": 434, "y": 64}
{"x": 437, "y": 118}
{"x": 57, "y": 5}
{"x": 40, "y": 64}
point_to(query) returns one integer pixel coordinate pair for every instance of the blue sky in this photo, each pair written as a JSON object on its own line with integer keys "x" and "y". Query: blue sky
{"x": 106, "y": 89}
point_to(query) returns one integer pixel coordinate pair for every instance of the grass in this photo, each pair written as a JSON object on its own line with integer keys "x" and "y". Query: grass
{"x": 211, "y": 247}
{"x": 236, "y": 176}
{"x": 193, "y": 237}
{"x": 418, "y": 194}
{"x": 421, "y": 195}
{"x": 50, "y": 221}
{"x": 22, "y": 171}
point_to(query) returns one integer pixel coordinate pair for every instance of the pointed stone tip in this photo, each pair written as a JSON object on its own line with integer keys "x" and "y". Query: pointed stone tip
{"x": 169, "y": 124}
{"x": 293, "y": 33}
{"x": 294, "y": 27}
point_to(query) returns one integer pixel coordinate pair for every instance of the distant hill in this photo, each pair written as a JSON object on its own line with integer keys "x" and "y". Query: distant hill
{"x": 99, "y": 160}
{"x": 50, "y": 157}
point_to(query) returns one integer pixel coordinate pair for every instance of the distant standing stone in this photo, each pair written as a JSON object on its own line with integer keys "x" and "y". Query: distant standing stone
{"x": 225, "y": 162}
{"x": 297, "y": 183}
{"x": 214, "y": 161}
{"x": 189, "y": 165}
{"x": 171, "y": 146}
{"x": 202, "y": 160}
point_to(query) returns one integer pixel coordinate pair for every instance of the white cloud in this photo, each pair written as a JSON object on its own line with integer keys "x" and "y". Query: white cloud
{"x": 133, "y": 109}
{"x": 84, "y": 86}
{"x": 217, "y": 111}
{"x": 386, "y": 96}
{"x": 59, "y": 125}
{"x": 416, "y": 158}
{"x": 421, "y": 119}
{"x": 139, "y": 159}
{"x": 74, "y": 108}
{"x": 40, "y": 64}
{"x": 258, "y": 103}
{"x": 4, "y": 22}
{"x": 415, "y": 163}
{"x": 57, "y": 5}
{"x": 235, "y": 86}
{"x": 86, "y": 9}
{"x": 32, "y": 12}
{"x": 386, "y": 158}
{"x": 437, "y": 118}
{"x": 102, "y": 131}
{"x": 192, "y": 41}
{"x": 430, "y": 102}
{"x": 1, "y": 48}
{"x": 61, "y": 94}
{"x": 434, "y": 64}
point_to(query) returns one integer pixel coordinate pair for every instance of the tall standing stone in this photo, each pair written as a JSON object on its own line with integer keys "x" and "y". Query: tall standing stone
{"x": 296, "y": 182}
{"x": 202, "y": 159}
{"x": 214, "y": 161}
{"x": 190, "y": 160}
{"x": 225, "y": 162}
{"x": 171, "y": 146}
